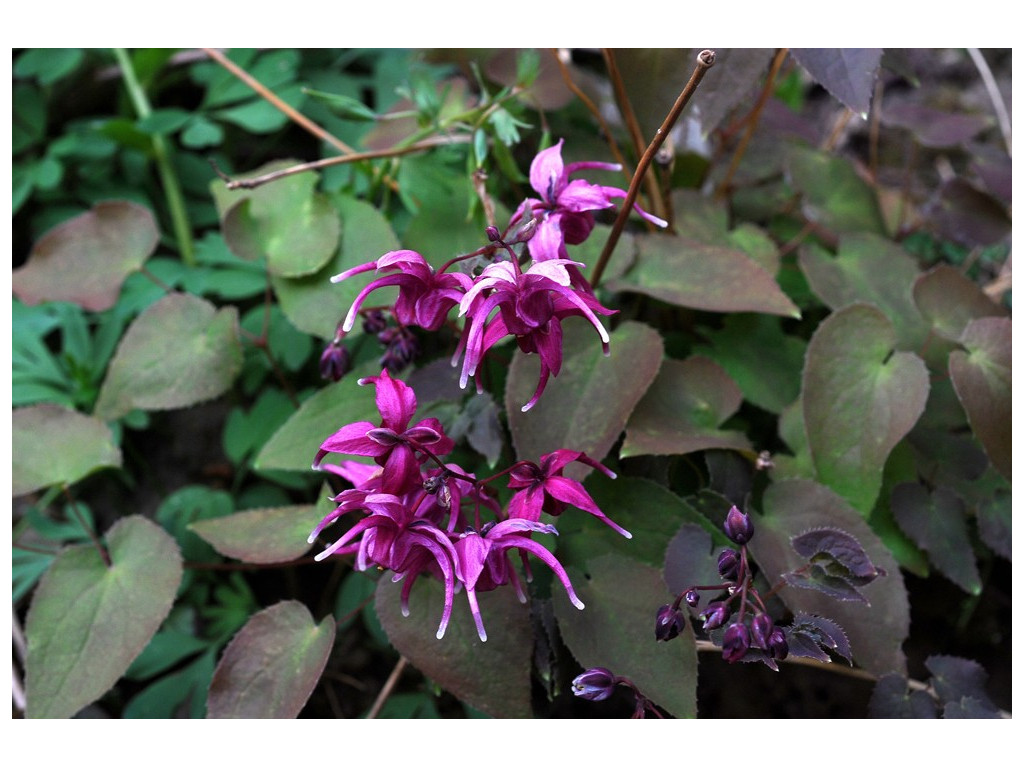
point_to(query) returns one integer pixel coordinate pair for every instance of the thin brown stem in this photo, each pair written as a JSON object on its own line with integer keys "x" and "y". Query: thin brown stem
{"x": 1002, "y": 113}
{"x": 633, "y": 126}
{"x": 705, "y": 60}
{"x": 85, "y": 526}
{"x": 271, "y": 97}
{"x": 388, "y": 687}
{"x": 592, "y": 108}
{"x": 752, "y": 121}
{"x": 326, "y": 162}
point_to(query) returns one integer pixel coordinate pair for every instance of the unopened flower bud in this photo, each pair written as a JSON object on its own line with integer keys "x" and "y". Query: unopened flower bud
{"x": 374, "y": 322}
{"x": 714, "y": 615}
{"x": 335, "y": 362}
{"x": 738, "y": 526}
{"x": 595, "y": 684}
{"x": 493, "y": 234}
{"x": 692, "y": 597}
{"x": 735, "y": 643}
{"x": 778, "y": 648}
{"x": 761, "y": 629}
{"x": 669, "y": 623}
{"x": 525, "y": 232}
{"x": 729, "y": 564}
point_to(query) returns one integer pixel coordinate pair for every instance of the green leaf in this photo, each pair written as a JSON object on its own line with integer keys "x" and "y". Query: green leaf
{"x": 616, "y": 630}
{"x": 52, "y": 445}
{"x": 342, "y": 105}
{"x": 272, "y": 665}
{"x": 287, "y": 222}
{"x": 272, "y": 535}
{"x": 585, "y": 407}
{"x": 48, "y": 65}
{"x": 86, "y": 259}
{"x": 936, "y": 522}
{"x": 181, "y": 351}
{"x": 493, "y": 676}
{"x": 759, "y": 357}
{"x": 165, "y": 698}
{"x": 859, "y": 400}
{"x": 982, "y": 379}
{"x": 833, "y": 194}
{"x": 949, "y": 300}
{"x": 246, "y": 432}
{"x": 294, "y": 445}
{"x": 688, "y": 273}
{"x": 200, "y": 133}
{"x": 876, "y": 631}
{"x": 87, "y": 621}
{"x": 187, "y": 505}
{"x": 872, "y": 270}
{"x": 164, "y": 121}
{"x": 259, "y": 116}
{"x": 682, "y": 410}
{"x": 314, "y": 304}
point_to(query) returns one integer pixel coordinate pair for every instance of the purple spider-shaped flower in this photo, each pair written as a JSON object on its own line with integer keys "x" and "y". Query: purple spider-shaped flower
{"x": 544, "y": 489}
{"x": 424, "y": 296}
{"x": 393, "y": 444}
{"x": 531, "y": 306}
{"x": 563, "y": 211}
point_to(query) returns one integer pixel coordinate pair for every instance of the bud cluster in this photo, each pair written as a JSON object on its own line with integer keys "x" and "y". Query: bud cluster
{"x": 747, "y": 626}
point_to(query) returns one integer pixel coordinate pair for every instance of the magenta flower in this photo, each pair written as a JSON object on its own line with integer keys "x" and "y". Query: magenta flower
{"x": 482, "y": 562}
{"x": 393, "y": 444}
{"x": 544, "y": 489}
{"x": 563, "y": 211}
{"x": 531, "y": 307}
{"x": 424, "y": 297}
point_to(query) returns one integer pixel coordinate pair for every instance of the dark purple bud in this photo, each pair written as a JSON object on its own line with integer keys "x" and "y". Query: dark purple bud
{"x": 595, "y": 684}
{"x": 384, "y": 436}
{"x": 738, "y": 526}
{"x": 714, "y": 615}
{"x": 761, "y": 630}
{"x": 729, "y": 564}
{"x": 778, "y": 648}
{"x": 431, "y": 484}
{"x": 374, "y": 322}
{"x": 669, "y": 623}
{"x": 387, "y": 335}
{"x": 524, "y": 233}
{"x": 493, "y": 234}
{"x": 335, "y": 362}
{"x": 692, "y": 597}
{"x": 735, "y": 643}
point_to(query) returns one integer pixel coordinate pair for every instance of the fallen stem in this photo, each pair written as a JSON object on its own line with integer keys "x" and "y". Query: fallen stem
{"x": 161, "y": 154}
{"x": 388, "y": 687}
{"x": 705, "y": 60}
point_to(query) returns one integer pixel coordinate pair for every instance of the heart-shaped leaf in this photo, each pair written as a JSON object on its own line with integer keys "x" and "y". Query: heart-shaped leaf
{"x": 949, "y": 300}
{"x": 833, "y": 194}
{"x": 873, "y": 270}
{"x": 493, "y": 676}
{"x": 86, "y": 259}
{"x": 859, "y": 400}
{"x": 682, "y": 410}
{"x": 688, "y": 273}
{"x": 585, "y": 407}
{"x": 313, "y": 303}
{"x": 982, "y": 378}
{"x": 936, "y": 522}
{"x": 290, "y": 224}
{"x": 181, "y": 351}
{"x": 88, "y": 621}
{"x": 272, "y": 665}
{"x": 53, "y": 445}
{"x": 268, "y": 535}
{"x": 876, "y": 632}
{"x": 616, "y": 631}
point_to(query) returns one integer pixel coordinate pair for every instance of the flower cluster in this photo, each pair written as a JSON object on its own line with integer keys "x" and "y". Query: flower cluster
{"x": 751, "y": 629}
{"x": 419, "y": 515}
{"x": 505, "y": 299}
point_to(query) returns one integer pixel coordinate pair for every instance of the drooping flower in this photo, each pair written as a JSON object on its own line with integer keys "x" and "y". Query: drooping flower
{"x": 482, "y": 563}
{"x": 424, "y": 296}
{"x": 735, "y": 642}
{"x": 531, "y": 306}
{"x": 393, "y": 444}
{"x": 595, "y": 684}
{"x": 335, "y": 361}
{"x": 669, "y": 623}
{"x": 543, "y": 488}
{"x": 738, "y": 525}
{"x": 564, "y": 209}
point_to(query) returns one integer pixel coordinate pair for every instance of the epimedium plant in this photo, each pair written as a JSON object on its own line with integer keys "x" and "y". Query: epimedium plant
{"x": 745, "y": 395}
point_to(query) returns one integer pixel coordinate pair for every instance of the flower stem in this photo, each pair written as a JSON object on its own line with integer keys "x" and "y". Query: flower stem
{"x": 162, "y": 156}
{"x": 705, "y": 60}
{"x": 388, "y": 687}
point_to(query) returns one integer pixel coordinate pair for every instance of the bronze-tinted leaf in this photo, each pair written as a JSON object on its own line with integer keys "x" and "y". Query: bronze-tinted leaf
{"x": 847, "y": 73}
{"x": 266, "y": 535}
{"x": 86, "y": 259}
{"x": 949, "y": 300}
{"x": 272, "y": 665}
{"x": 51, "y": 445}
{"x": 964, "y": 213}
